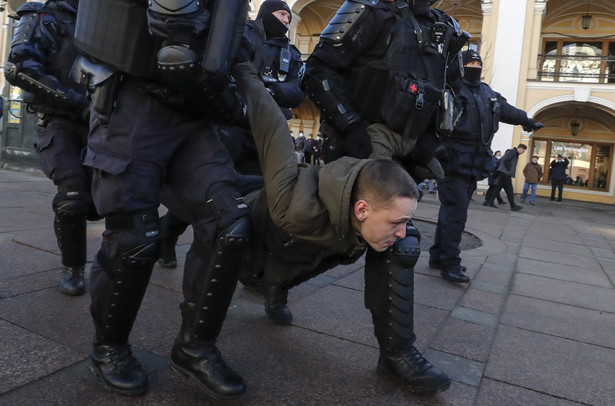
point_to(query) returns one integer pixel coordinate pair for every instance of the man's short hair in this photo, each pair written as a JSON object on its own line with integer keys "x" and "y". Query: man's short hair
{"x": 382, "y": 180}
{"x": 522, "y": 146}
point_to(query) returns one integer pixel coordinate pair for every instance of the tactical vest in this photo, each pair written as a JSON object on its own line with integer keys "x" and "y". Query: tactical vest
{"x": 402, "y": 88}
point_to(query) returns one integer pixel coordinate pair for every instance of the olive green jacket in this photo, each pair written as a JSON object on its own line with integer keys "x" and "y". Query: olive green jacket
{"x": 301, "y": 218}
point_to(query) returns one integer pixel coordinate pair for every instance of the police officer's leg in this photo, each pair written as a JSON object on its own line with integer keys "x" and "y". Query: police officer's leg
{"x": 59, "y": 150}
{"x": 71, "y": 206}
{"x": 221, "y": 237}
{"x": 172, "y": 228}
{"x": 202, "y": 177}
{"x": 453, "y": 193}
{"x": 120, "y": 274}
{"x": 389, "y": 295}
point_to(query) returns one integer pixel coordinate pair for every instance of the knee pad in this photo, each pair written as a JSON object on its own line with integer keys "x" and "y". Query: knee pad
{"x": 135, "y": 243}
{"x": 408, "y": 249}
{"x": 73, "y": 198}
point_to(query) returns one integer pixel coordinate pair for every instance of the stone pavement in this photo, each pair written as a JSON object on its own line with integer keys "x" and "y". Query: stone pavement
{"x": 535, "y": 327}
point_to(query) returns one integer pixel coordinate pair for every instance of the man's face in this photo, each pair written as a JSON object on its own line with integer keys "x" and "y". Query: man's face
{"x": 534, "y": 159}
{"x": 283, "y": 16}
{"x": 380, "y": 228}
{"x": 520, "y": 150}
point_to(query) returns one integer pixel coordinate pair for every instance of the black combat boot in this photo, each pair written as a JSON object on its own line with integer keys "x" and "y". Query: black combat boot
{"x": 72, "y": 281}
{"x": 118, "y": 370}
{"x": 276, "y": 305}
{"x": 117, "y": 286}
{"x": 194, "y": 356}
{"x": 389, "y": 295}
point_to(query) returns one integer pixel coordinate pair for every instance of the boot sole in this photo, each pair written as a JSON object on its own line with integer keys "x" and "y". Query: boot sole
{"x": 113, "y": 389}
{"x": 414, "y": 389}
{"x": 211, "y": 393}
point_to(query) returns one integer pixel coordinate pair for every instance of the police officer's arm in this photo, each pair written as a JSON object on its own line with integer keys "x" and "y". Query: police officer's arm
{"x": 37, "y": 37}
{"x": 288, "y": 93}
{"x": 324, "y": 79}
{"x": 511, "y": 115}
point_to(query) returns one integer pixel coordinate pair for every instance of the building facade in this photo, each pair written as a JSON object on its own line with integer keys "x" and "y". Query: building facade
{"x": 554, "y": 59}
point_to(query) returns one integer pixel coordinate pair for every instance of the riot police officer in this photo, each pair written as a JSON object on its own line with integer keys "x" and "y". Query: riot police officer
{"x": 377, "y": 76}
{"x": 279, "y": 63}
{"x": 42, "y": 54}
{"x": 157, "y": 75}
{"x": 466, "y": 158}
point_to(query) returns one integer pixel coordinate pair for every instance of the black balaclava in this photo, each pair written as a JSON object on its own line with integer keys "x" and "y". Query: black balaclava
{"x": 420, "y": 7}
{"x": 273, "y": 27}
{"x": 471, "y": 75}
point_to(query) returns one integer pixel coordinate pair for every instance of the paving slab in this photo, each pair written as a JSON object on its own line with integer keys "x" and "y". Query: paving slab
{"x": 588, "y": 296}
{"x": 554, "y": 366}
{"x": 572, "y": 273}
{"x": 561, "y": 320}
{"x": 494, "y": 393}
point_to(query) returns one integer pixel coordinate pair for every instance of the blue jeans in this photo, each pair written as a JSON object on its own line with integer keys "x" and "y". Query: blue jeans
{"x": 527, "y": 186}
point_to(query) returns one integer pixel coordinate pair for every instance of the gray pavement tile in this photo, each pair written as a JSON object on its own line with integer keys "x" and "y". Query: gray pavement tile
{"x": 29, "y": 283}
{"x": 435, "y": 292}
{"x": 558, "y": 257}
{"x": 77, "y": 385}
{"x": 597, "y": 243}
{"x": 20, "y": 260}
{"x": 26, "y": 356}
{"x": 603, "y": 252}
{"x": 493, "y": 393}
{"x": 588, "y": 296}
{"x": 487, "y": 276}
{"x": 464, "y": 339}
{"x": 563, "y": 272}
{"x": 475, "y": 316}
{"x": 505, "y": 261}
{"x": 460, "y": 369}
{"x": 342, "y": 271}
{"x": 576, "y": 323}
{"x": 284, "y": 365}
{"x": 553, "y": 366}
{"x": 569, "y": 247}
{"x": 484, "y": 297}
{"x": 52, "y": 315}
{"x": 353, "y": 280}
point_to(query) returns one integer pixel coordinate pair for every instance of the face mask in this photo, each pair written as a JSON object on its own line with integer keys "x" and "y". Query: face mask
{"x": 472, "y": 75}
{"x": 273, "y": 27}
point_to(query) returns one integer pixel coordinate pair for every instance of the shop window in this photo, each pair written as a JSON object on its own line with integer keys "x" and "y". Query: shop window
{"x": 589, "y": 164}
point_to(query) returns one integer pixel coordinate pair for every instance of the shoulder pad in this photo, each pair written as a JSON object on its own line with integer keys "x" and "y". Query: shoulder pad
{"x": 442, "y": 16}
{"x": 31, "y": 7}
{"x": 345, "y": 18}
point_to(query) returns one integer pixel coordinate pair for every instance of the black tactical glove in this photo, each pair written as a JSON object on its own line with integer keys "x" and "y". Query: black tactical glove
{"x": 532, "y": 126}
{"x": 357, "y": 143}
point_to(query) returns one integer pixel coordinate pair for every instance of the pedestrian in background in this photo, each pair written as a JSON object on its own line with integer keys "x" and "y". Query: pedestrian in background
{"x": 558, "y": 175}
{"x": 497, "y": 155}
{"x": 507, "y": 166}
{"x": 533, "y": 174}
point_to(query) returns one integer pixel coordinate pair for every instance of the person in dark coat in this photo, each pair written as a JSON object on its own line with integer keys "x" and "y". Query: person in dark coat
{"x": 466, "y": 159}
{"x": 505, "y": 171}
{"x": 497, "y": 155}
{"x": 557, "y": 172}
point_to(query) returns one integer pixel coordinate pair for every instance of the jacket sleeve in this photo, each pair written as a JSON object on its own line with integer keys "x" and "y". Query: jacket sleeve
{"x": 526, "y": 169}
{"x": 329, "y": 63}
{"x": 273, "y": 142}
{"x": 510, "y": 114}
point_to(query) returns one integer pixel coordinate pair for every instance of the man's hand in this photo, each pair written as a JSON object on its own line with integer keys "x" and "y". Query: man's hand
{"x": 357, "y": 143}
